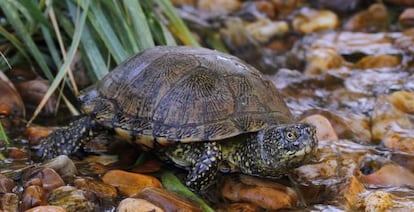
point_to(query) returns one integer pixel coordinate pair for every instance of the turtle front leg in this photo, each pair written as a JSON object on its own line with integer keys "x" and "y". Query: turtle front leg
{"x": 66, "y": 141}
{"x": 203, "y": 173}
{"x": 201, "y": 159}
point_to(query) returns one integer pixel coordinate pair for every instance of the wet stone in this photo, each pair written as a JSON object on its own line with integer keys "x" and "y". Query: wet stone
{"x": 352, "y": 194}
{"x": 11, "y": 103}
{"x": 33, "y": 196}
{"x": 310, "y": 20}
{"x": 264, "y": 29}
{"x": 262, "y": 193}
{"x": 390, "y": 175}
{"x": 403, "y": 100}
{"x": 378, "y": 201}
{"x": 70, "y": 198}
{"x": 387, "y": 119}
{"x": 407, "y": 18}
{"x": 9, "y": 202}
{"x": 129, "y": 183}
{"x": 323, "y": 59}
{"x": 340, "y": 5}
{"x": 219, "y": 6}
{"x": 63, "y": 165}
{"x": 324, "y": 129}
{"x": 99, "y": 188}
{"x": 50, "y": 179}
{"x": 133, "y": 204}
{"x": 245, "y": 207}
{"x": 47, "y": 208}
{"x": 6, "y": 184}
{"x": 32, "y": 92}
{"x": 378, "y": 61}
{"x": 373, "y": 19}
{"x": 167, "y": 200}
{"x": 36, "y": 132}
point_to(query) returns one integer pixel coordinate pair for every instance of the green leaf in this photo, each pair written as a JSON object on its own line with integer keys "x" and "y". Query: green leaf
{"x": 71, "y": 53}
{"x": 13, "y": 18}
{"x": 139, "y": 24}
{"x": 120, "y": 22}
{"x": 103, "y": 27}
{"x": 172, "y": 183}
{"x": 177, "y": 24}
{"x": 90, "y": 49}
{"x": 3, "y": 136}
{"x": 15, "y": 41}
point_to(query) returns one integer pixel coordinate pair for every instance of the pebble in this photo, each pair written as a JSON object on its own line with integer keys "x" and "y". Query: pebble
{"x": 378, "y": 61}
{"x": 407, "y": 18}
{"x": 322, "y": 59}
{"x": 47, "y": 208}
{"x": 129, "y": 183}
{"x": 6, "y": 184}
{"x": 352, "y": 194}
{"x": 386, "y": 119}
{"x": 378, "y": 201}
{"x": 324, "y": 129}
{"x": 264, "y": 29}
{"x": 50, "y": 179}
{"x": 63, "y": 165}
{"x": 375, "y": 18}
{"x": 33, "y": 196}
{"x": 219, "y": 6}
{"x": 167, "y": 200}
{"x": 9, "y": 202}
{"x": 259, "y": 192}
{"x": 311, "y": 20}
{"x": 285, "y": 8}
{"x": 399, "y": 139}
{"x": 133, "y": 204}
{"x": 241, "y": 207}
{"x": 35, "y": 133}
{"x": 11, "y": 103}
{"x": 266, "y": 7}
{"x": 71, "y": 199}
{"x": 340, "y": 5}
{"x": 32, "y": 91}
{"x": 403, "y": 100}
{"x": 17, "y": 153}
{"x": 99, "y": 188}
{"x": 389, "y": 175}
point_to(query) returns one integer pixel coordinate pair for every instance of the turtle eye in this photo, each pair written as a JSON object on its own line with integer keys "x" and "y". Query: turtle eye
{"x": 290, "y": 136}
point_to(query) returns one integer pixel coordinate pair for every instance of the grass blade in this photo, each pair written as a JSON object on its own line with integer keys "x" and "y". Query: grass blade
{"x": 3, "y": 136}
{"x": 103, "y": 27}
{"x": 120, "y": 23}
{"x": 67, "y": 62}
{"x": 91, "y": 52}
{"x": 15, "y": 41}
{"x": 139, "y": 23}
{"x": 177, "y": 26}
{"x": 13, "y": 18}
{"x": 172, "y": 183}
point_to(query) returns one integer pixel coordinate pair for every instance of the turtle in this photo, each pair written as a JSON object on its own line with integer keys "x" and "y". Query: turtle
{"x": 203, "y": 110}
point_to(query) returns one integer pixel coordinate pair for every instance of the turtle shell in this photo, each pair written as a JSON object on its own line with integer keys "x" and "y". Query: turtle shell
{"x": 185, "y": 94}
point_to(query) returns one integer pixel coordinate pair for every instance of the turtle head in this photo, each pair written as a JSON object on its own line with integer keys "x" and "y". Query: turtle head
{"x": 102, "y": 110}
{"x": 284, "y": 147}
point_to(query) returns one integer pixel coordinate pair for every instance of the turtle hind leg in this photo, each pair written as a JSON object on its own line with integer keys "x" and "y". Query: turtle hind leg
{"x": 205, "y": 165}
{"x": 66, "y": 141}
